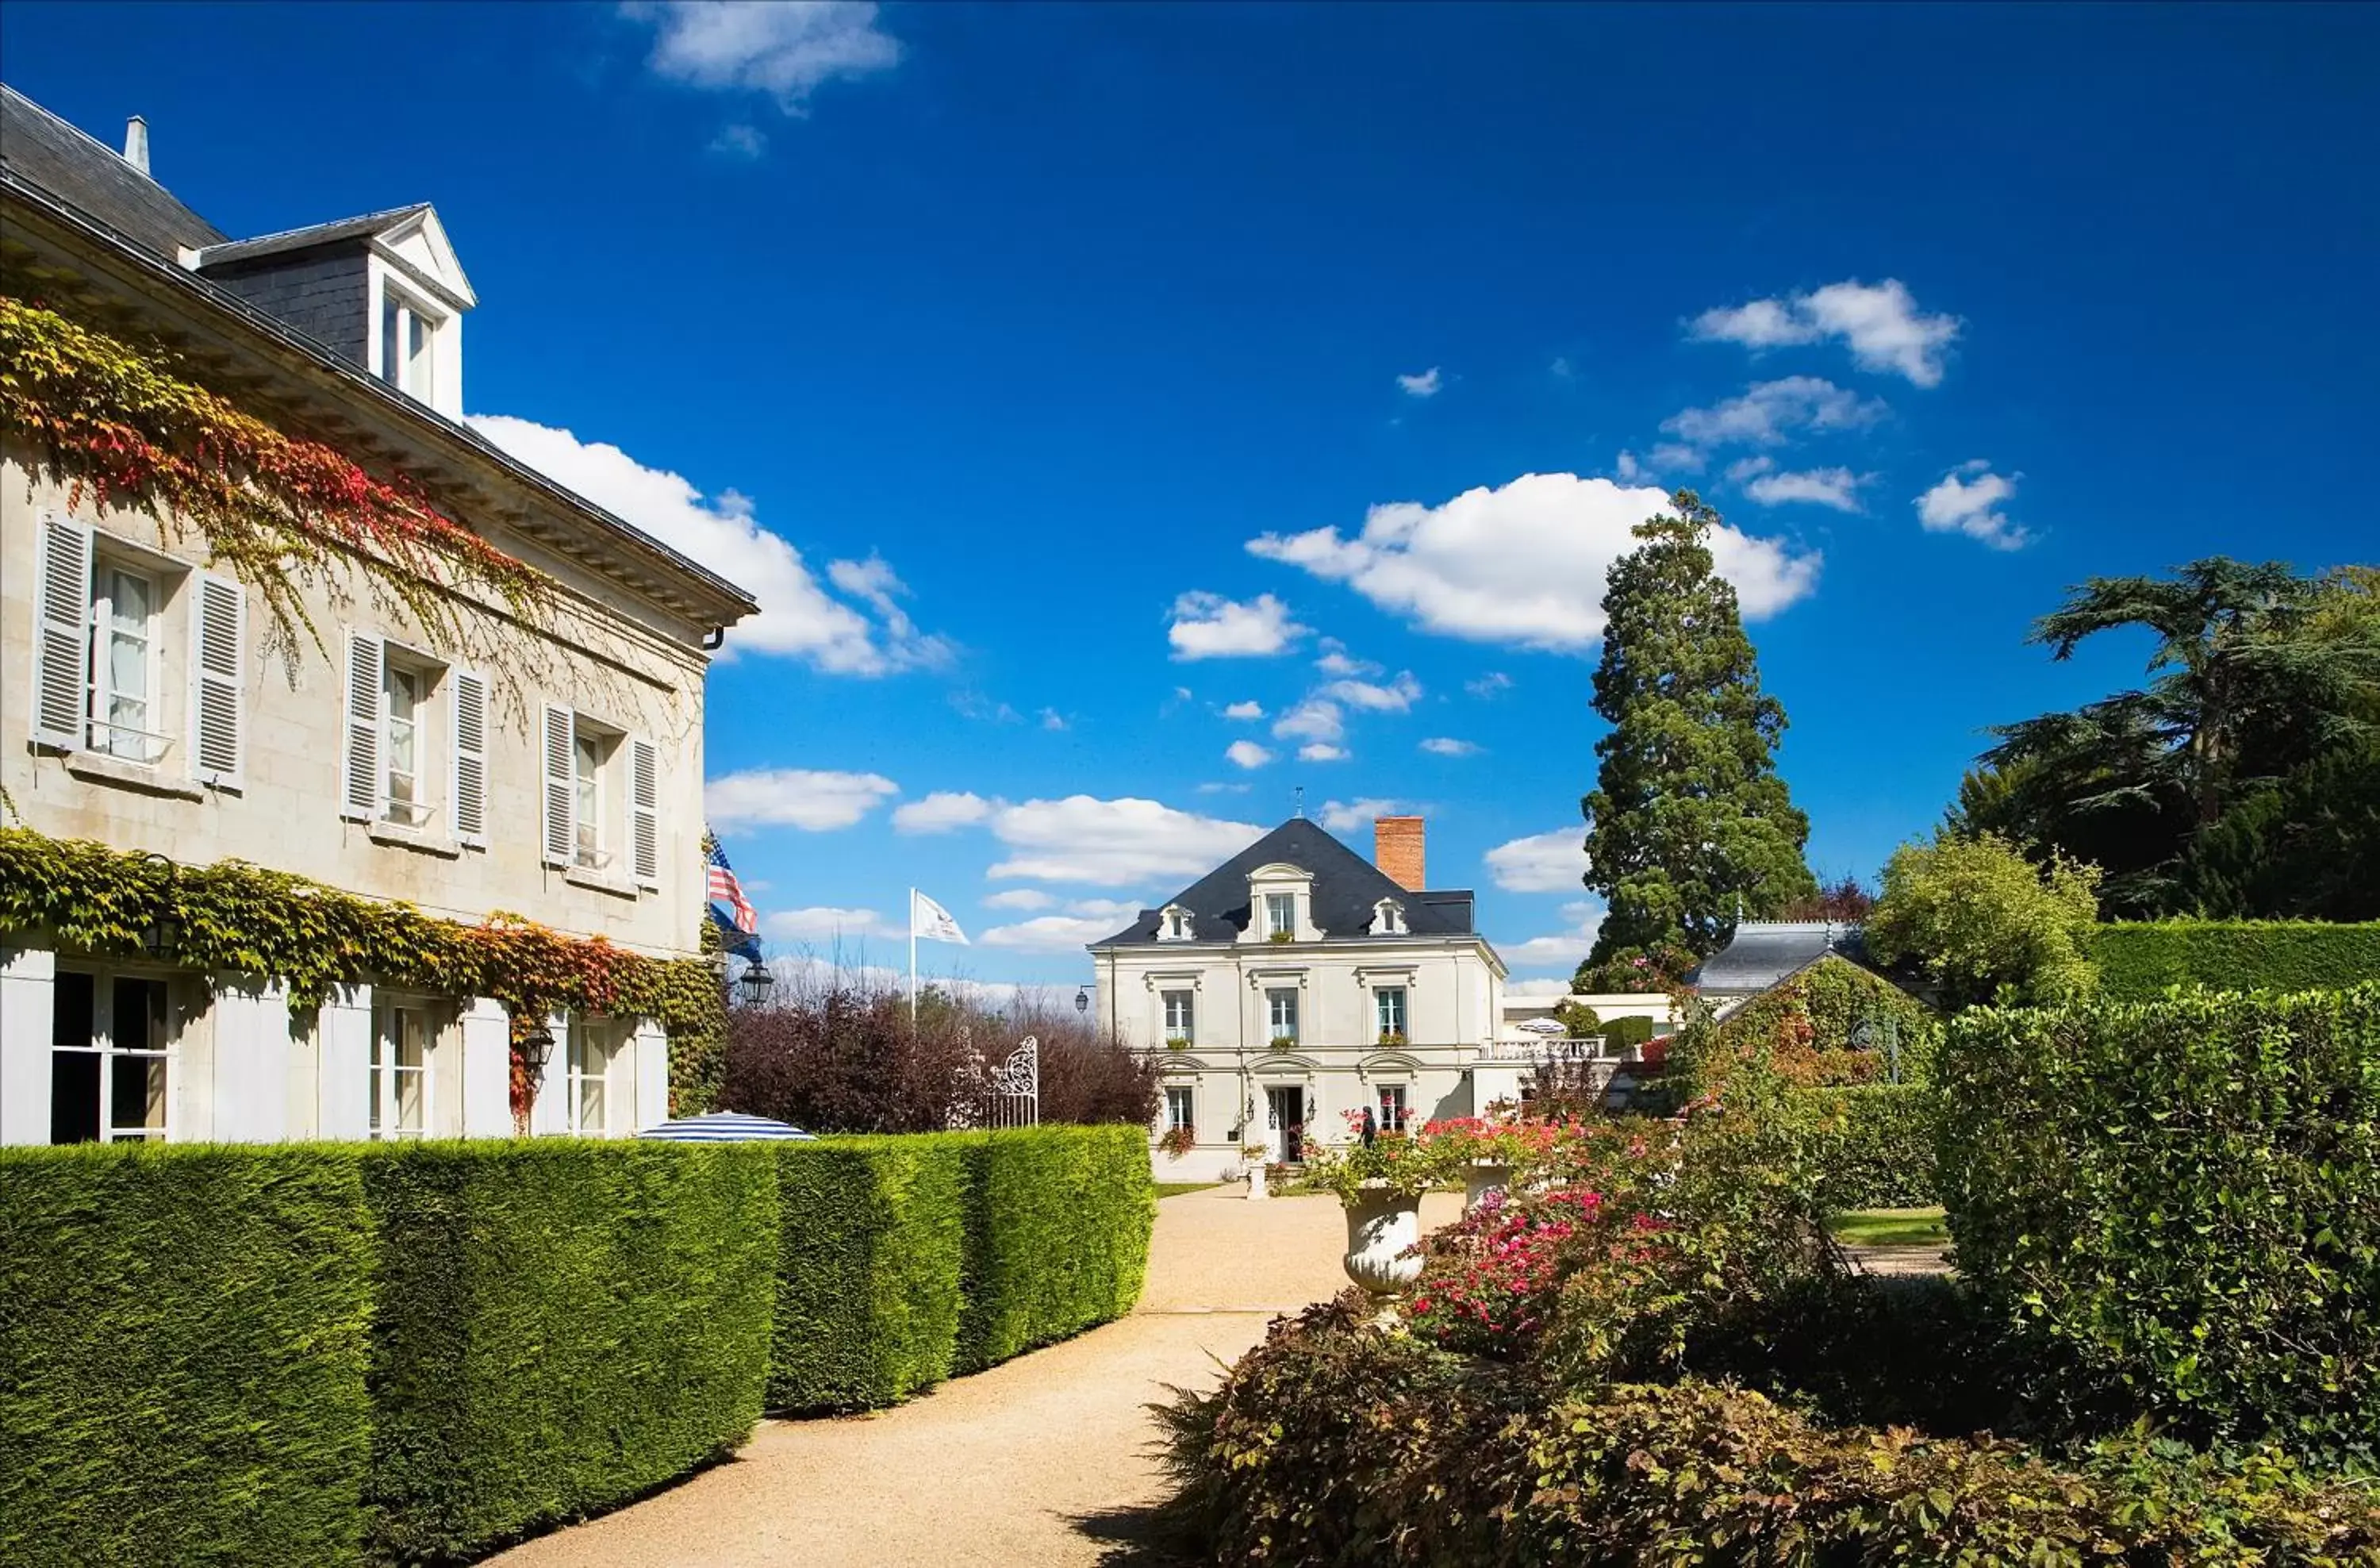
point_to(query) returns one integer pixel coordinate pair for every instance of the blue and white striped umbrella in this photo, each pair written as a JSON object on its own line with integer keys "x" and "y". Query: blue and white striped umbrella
{"x": 723, "y": 1126}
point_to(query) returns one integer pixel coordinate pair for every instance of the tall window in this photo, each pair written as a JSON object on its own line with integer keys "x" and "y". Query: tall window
{"x": 1281, "y": 1007}
{"x": 1392, "y": 1106}
{"x": 405, "y": 338}
{"x": 1281, "y": 914}
{"x": 404, "y": 691}
{"x": 1389, "y": 1002}
{"x": 1175, "y": 925}
{"x": 109, "y": 1066}
{"x": 586, "y": 772}
{"x": 1178, "y": 1102}
{"x": 124, "y": 717}
{"x": 1179, "y": 1020}
{"x": 400, "y": 1072}
{"x": 589, "y": 1070}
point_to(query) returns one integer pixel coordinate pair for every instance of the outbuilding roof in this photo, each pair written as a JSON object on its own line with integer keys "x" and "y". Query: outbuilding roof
{"x": 1346, "y": 891}
{"x": 1764, "y": 951}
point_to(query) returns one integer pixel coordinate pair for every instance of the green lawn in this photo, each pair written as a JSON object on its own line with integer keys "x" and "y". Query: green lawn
{"x": 1891, "y": 1227}
{"x": 1175, "y": 1189}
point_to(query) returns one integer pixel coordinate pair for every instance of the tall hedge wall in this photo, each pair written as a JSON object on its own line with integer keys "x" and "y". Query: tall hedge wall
{"x": 2138, "y": 960}
{"x": 561, "y": 1326}
{"x": 183, "y": 1336}
{"x": 868, "y": 1279}
{"x": 1872, "y": 1148}
{"x": 1057, "y": 1236}
{"x": 2182, "y": 1198}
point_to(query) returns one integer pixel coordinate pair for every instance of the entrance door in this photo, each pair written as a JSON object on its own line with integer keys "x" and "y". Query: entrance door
{"x": 1284, "y": 1110}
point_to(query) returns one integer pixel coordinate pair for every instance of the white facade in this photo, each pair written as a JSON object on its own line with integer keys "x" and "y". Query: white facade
{"x": 553, "y": 773}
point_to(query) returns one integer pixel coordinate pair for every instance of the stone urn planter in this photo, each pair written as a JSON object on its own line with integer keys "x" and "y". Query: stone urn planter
{"x": 1481, "y": 1177}
{"x": 1255, "y": 1159}
{"x": 1383, "y": 1225}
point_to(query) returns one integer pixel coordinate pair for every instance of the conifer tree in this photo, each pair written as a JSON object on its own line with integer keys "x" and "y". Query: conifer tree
{"x": 1689, "y": 825}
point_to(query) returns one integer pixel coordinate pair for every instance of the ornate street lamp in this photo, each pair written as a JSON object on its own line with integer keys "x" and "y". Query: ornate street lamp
{"x": 535, "y": 1050}
{"x": 755, "y": 983}
{"x": 1082, "y": 1002}
{"x": 158, "y": 941}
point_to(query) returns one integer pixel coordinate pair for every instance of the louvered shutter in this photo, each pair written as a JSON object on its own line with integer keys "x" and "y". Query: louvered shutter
{"x": 645, "y": 811}
{"x": 471, "y": 758}
{"x": 561, "y": 788}
{"x": 362, "y": 779}
{"x": 218, "y": 637}
{"x": 62, "y": 635}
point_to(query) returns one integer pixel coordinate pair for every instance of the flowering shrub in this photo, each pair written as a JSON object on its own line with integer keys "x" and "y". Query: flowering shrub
{"x": 1492, "y": 1278}
{"x": 1178, "y": 1141}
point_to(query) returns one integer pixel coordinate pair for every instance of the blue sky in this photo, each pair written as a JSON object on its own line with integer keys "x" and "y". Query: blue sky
{"x": 1016, "y": 355}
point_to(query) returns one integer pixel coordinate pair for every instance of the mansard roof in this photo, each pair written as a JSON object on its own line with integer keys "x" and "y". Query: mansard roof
{"x": 1346, "y": 891}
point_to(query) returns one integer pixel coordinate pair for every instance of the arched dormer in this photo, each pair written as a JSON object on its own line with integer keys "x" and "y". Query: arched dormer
{"x": 1389, "y": 918}
{"x": 1280, "y": 905}
{"x": 1175, "y": 923}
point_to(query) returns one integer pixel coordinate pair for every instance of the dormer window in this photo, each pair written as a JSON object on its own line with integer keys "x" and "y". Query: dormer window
{"x": 1281, "y": 916}
{"x": 1387, "y": 918}
{"x": 1174, "y": 924}
{"x": 408, "y": 333}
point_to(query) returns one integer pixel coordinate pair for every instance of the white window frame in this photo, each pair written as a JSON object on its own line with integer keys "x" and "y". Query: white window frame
{"x": 401, "y": 310}
{"x": 1174, "y": 924}
{"x": 1397, "y": 1000}
{"x": 1281, "y": 1001}
{"x": 421, "y": 810}
{"x": 583, "y": 1029}
{"x": 1280, "y": 915}
{"x": 1184, "y": 1027}
{"x": 110, "y": 1050}
{"x": 101, "y": 731}
{"x": 1181, "y": 1106}
{"x": 386, "y": 1073}
{"x": 1392, "y": 1104}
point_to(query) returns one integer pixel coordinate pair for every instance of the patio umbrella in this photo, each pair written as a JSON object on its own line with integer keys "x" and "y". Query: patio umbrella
{"x": 1542, "y": 1027}
{"x": 723, "y": 1126}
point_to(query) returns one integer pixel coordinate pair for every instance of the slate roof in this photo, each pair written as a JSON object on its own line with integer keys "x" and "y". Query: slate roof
{"x": 1764, "y": 951}
{"x": 310, "y": 237}
{"x": 1346, "y": 887}
{"x": 38, "y": 147}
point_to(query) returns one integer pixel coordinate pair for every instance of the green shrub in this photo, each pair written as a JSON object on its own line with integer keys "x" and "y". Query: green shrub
{"x": 1057, "y": 1236}
{"x": 561, "y": 1326}
{"x": 2139, "y": 960}
{"x": 2181, "y": 1200}
{"x": 1627, "y": 1034}
{"x": 1337, "y": 1442}
{"x": 1872, "y": 1147}
{"x": 1807, "y": 1030}
{"x": 867, "y": 1275}
{"x": 182, "y": 1353}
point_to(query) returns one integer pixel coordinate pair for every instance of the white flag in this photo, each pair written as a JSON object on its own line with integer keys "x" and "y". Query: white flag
{"x": 930, "y": 920}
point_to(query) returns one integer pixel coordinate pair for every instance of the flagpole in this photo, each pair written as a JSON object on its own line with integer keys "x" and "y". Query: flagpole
{"x": 912, "y": 960}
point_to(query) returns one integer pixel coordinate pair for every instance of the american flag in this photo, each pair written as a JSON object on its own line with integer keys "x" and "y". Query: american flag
{"x": 738, "y": 918}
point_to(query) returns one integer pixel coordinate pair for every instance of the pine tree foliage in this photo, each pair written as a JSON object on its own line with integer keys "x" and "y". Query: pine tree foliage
{"x": 1689, "y": 827}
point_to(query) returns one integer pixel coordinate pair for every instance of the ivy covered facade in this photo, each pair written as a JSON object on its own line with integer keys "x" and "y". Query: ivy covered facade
{"x": 352, "y": 771}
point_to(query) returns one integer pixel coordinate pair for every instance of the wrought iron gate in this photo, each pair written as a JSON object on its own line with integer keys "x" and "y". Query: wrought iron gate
{"x": 1008, "y": 1095}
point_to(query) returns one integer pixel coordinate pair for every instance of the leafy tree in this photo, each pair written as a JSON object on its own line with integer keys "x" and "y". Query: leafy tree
{"x": 2305, "y": 848}
{"x": 1843, "y": 900}
{"x": 1975, "y": 915}
{"x": 1581, "y": 1021}
{"x": 2255, "y": 672}
{"x": 1689, "y": 825}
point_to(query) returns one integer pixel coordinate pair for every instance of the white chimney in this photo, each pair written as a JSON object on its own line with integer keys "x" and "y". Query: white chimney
{"x": 136, "y": 143}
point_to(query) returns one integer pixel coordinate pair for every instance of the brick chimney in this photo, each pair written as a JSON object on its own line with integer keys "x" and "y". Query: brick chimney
{"x": 1397, "y": 850}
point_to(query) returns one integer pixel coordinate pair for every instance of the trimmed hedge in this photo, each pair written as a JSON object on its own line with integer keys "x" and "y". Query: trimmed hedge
{"x": 1057, "y": 1236}
{"x": 2138, "y": 960}
{"x": 562, "y": 1325}
{"x": 183, "y": 1335}
{"x": 873, "y": 1240}
{"x": 1874, "y": 1146}
{"x": 2181, "y": 1200}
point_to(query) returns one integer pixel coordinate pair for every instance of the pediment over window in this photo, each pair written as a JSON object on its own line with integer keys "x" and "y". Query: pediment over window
{"x": 1387, "y": 918}
{"x": 1175, "y": 923}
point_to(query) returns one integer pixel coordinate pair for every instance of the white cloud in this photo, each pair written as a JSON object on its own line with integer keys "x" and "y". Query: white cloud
{"x": 1837, "y": 488}
{"x": 1425, "y": 384}
{"x": 1223, "y": 789}
{"x": 805, "y": 925}
{"x": 740, "y": 141}
{"x": 1447, "y": 746}
{"x": 1881, "y": 323}
{"x": 1083, "y": 923}
{"x": 785, "y": 48}
{"x": 1966, "y": 501}
{"x": 1548, "y": 862}
{"x": 1246, "y": 754}
{"x": 1767, "y": 413}
{"x": 1348, "y": 816}
{"x": 1743, "y": 469}
{"x": 1337, "y": 661}
{"x": 1561, "y": 368}
{"x": 798, "y": 798}
{"x": 1522, "y": 564}
{"x": 1536, "y": 988}
{"x": 1323, "y": 752}
{"x": 942, "y": 811}
{"x": 798, "y": 616}
{"x": 1564, "y": 949}
{"x": 1245, "y": 710}
{"x": 874, "y": 583}
{"x": 1053, "y": 720}
{"x": 1394, "y": 697}
{"x": 1495, "y": 683}
{"x": 1020, "y": 898}
{"x": 1315, "y": 719}
{"x": 1084, "y": 839}
{"x": 1208, "y": 625}
{"x": 1674, "y": 454}
{"x": 1628, "y": 470}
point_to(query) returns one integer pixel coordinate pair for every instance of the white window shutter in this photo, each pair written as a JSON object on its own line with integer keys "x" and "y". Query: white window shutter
{"x": 645, "y": 811}
{"x": 561, "y": 787}
{"x": 218, "y": 640}
{"x": 62, "y": 635}
{"x": 362, "y": 779}
{"x": 471, "y": 758}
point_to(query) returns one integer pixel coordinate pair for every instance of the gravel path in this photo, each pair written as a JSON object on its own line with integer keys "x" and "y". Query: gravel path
{"x": 1040, "y": 1460}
